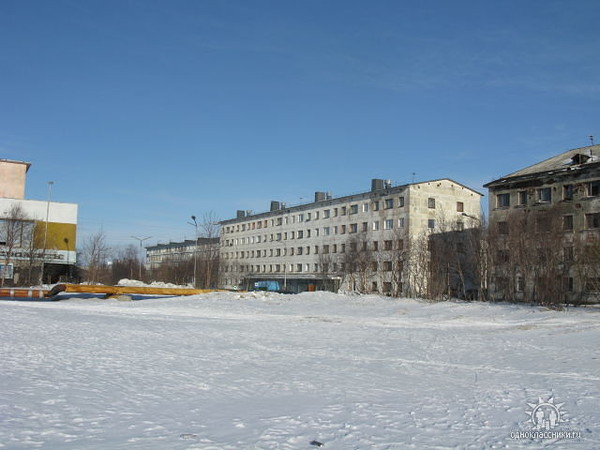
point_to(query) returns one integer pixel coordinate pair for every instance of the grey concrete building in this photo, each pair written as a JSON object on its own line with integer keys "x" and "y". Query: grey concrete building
{"x": 356, "y": 242}
{"x": 544, "y": 228}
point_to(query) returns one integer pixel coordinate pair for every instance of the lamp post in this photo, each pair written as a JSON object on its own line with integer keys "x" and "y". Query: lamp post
{"x": 50, "y": 183}
{"x": 194, "y": 223}
{"x": 141, "y": 251}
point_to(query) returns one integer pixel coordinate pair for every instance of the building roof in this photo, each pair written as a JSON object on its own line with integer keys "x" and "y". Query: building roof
{"x": 12, "y": 161}
{"x": 387, "y": 190}
{"x": 574, "y": 159}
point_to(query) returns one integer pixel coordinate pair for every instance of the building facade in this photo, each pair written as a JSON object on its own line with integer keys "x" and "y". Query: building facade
{"x": 359, "y": 242}
{"x": 190, "y": 261}
{"x": 159, "y": 254}
{"x": 37, "y": 238}
{"x": 545, "y": 229}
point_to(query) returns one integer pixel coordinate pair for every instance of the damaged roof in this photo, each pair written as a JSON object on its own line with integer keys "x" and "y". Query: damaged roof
{"x": 577, "y": 158}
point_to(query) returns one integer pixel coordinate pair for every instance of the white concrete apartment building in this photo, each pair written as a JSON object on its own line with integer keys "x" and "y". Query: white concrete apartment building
{"x": 351, "y": 242}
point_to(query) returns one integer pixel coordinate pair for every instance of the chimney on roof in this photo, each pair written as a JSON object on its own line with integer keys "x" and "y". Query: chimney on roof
{"x": 275, "y": 205}
{"x": 377, "y": 184}
{"x": 240, "y": 214}
{"x": 320, "y": 196}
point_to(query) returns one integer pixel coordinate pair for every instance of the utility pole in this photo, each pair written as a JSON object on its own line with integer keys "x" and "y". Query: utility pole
{"x": 141, "y": 250}
{"x": 50, "y": 183}
{"x": 194, "y": 223}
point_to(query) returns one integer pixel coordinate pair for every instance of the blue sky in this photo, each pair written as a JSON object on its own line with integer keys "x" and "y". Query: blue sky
{"x": 147, "y": 112}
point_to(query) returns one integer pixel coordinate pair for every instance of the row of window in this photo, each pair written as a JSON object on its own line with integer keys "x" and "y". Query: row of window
{"x": 387, "y": 224}
{"x": 544, "y": 194}
{"x": 373, "y": 266}
{"x": 590, "y": 284}
{"x": 388, "y": 203}
{"x": 591, "y": 221}
{"x": 375, "y": 246}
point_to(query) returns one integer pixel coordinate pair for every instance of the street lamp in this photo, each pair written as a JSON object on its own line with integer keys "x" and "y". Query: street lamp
{"x": 50, "y": 183}
{"x": 195, "y": 225}
{"x": 141, "y": 251}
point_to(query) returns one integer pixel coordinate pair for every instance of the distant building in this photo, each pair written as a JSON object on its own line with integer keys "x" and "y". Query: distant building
{"x": 365, "y": 242}
{"x": 176, "y": 252}
{"x": 545, "y": 228}
{"x": 35, "y": 235}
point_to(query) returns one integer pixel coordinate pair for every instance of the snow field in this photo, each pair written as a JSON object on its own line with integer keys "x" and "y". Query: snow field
{"x": 270, "y": 371}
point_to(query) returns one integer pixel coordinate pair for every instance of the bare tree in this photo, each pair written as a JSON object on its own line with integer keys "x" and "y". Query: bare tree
{"x": 96, "y": 253}
{"x": 210, "y": 256}
{"x": 16, "y": 233}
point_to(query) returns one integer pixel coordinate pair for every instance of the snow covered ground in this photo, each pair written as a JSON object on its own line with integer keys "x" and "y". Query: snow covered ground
{"x": 271, "y": 371}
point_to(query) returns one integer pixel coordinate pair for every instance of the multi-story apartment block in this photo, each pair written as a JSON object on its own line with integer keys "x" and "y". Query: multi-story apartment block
{"x": 356, "y": 242}
{"x": 37, "y": 237}
{"x": 545, "y": 225}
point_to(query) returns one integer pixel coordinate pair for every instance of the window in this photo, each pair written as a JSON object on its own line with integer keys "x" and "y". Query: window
{"x": 592, "y": 220}
{"x": 365, "y": 227}
{"x": 503, "y": 256}
{"x": 593, "y": 189}
{"x": 401, "y": 222}
{"x": 375, "y": 206}
{"x": 544, "y": 195}
{"x": 387, "y": 266}
{"x": 343, "y": 229}
{"x": 431, "y": 224}
{"x": 326, "y": 214}
{"x": 568, "y": 284}
{"x": 431, "y": 203}
{"x": 520, "y": 284}
{"x": 389, "y": 203}
{"x": 343, "y": 210}
{"x": 522, "y": 197}
{"x": 401, "y": 202}
{"x": 568, "y": 223}
{"x": 365, "y": 207}
{"x": 387, "y": 245}
{"x": 502, "y": 227}
{"x": 460, "y": 206}
{"x": 326, "y": 249}
{"x": 353, "y": 209}
{"x": 568, "y": 254}
{"x": 326, "y": 231}
{"x": 502, "y": 200}
{"x": 353, "y": 228}
{"x": 375, "y": 246}
{"x": 300, "y": 234}
{"x": 388, "y": 224}
{"x": 376, "y": 226}
{"x": 568, "y": 192}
